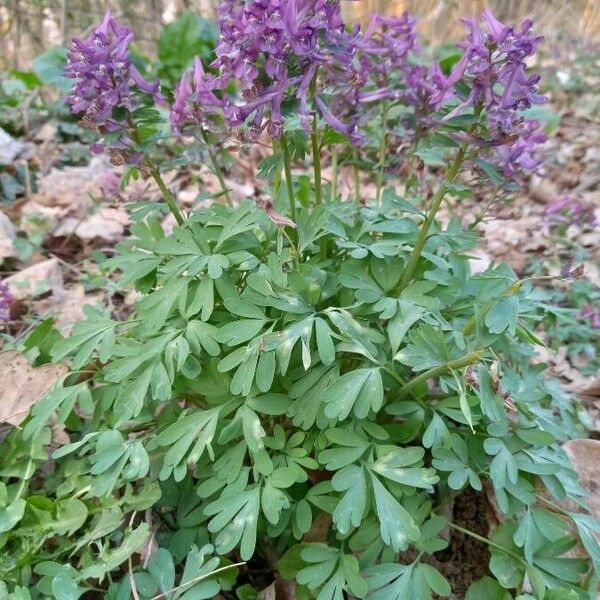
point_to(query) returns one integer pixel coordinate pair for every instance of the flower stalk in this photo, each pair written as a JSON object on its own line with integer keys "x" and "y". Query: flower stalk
{"x": 436, "y": 202}
{"x": 457, "y": 363}
{"x": 167, "y": 196}
{"x": 287, "y": 167}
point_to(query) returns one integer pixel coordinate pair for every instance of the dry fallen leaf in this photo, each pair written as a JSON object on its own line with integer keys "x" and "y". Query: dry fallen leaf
{"x": 584, "y": 455}
{"x": 22, "y": 385}
{"x": 107, "y": 223}
{"x": 37, "y": 279}
{"x": 67, "y": 306}
{"x": 8, "y": 234}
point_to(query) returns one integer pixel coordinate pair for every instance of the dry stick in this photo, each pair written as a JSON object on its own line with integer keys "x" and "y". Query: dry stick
{"x": 356, "y": 173}
{"x": 217, "y": 168}
{"x": 384, "y": 113}
{"x": 196, "y": 580}
{"x": 334, "y": 175}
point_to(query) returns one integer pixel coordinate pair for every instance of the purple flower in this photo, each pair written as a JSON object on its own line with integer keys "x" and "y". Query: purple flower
{"x": 494, "y": 66}
{"x": 275, "y": 49}
{"x": 105, "y": 80}
{"x": 6, "y": 298}
{"x": 590, "y": 314}
{"x": 196, "y": 103}
{"x": 570, "y": 211}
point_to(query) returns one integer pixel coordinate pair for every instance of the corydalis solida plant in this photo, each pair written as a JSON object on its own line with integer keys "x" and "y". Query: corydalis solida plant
{"x": 339, "y": 364}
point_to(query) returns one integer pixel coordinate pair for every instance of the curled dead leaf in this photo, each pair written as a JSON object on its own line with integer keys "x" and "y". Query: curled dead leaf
{"x": 37, "y": 279}
{"x": 22, "y": 385}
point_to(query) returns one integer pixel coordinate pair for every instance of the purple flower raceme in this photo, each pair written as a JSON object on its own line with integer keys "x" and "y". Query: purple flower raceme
{"x": 196, "y": 104}
{"x": 6, "y": 298}
{"x": 570, "y": 211}
{"x": 590, "y": 314}
{"x": 275, "y": 49}
{"x": 494, "y": 65}
{"x": 107, "y": 85}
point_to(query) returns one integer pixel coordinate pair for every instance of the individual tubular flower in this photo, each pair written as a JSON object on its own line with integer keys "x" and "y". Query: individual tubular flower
{"x": 107, "y": 85}
{"x": 6, "y": 298}
{"x": 275, "y": 49}
{"x": 195, "y": 103}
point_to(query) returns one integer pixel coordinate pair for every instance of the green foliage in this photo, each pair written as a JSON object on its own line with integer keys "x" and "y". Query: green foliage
{"x": 274, "y": 385}
{"x": 244, "y": 372}
{"x": 188, "y": 36}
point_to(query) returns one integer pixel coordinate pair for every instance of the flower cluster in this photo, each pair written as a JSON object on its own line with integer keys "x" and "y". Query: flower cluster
{"x": 275, "y": 49}
{"x": 106, "y": 81}
{"x": 570, "y": 211}
{"x": 494, "y": 65}
{"x": 195, "y": 103}
{"x": 590, "y": 314}
{"x": 6, "y": 298}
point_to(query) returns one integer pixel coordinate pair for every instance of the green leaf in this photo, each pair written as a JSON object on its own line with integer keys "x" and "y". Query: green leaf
{"x": 487, "y": 588}
{"x": 187, "y": 439}
{"x": 361, "y": 390}
{"x": 505, "y": 565}
{"x": 396, "y": 466}
{"x": 331, "y": 572}
{"x": 64, "y": 588}
{"x": 396, "y": 525}
{"x": 238, "y": 332}
{"x": 270, "y": 404}
{"x": 418, "y": 581}
{"x": 11, "y": 514}
{"x": 49, "y": 67}
{"x": 71, "y": 514}
{"x": 188, "y": 36}
{"x": 235, "y": 521}
{"x": 112, "y": 558}
{"x": 428, "y": 348}
{"x": 350, "y": 509}
{"x": 503, "y": 315}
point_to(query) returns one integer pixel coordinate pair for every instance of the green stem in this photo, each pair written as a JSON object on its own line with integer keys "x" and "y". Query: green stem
{"x": 472, "y": 322}
{"x": 485, "y": 540}
{"x": 316, "y": 150}
{"x": 166, "y": 194}
{"x": 334, "y": 175}
{"x": 217, "y": 168}
{"x": 356, "y": 172}
{"x": 382, "y": 148}
{"x": 28, "y": 474}
{"x": 288, "y": 177}
{"x": 436, "y": 202}
{"x": 458, "y": 363}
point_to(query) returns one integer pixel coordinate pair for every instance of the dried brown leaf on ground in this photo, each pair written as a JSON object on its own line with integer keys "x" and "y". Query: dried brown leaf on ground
{"x": 71, "y": 187}
{"x": 8, "y": 233}
{"x": 106, "y": 223}
{"x": 584, "y": 455}
{"x": 22, "y": 385}
{"x": 36, "y": 280}
{"x": 66, "y": 306}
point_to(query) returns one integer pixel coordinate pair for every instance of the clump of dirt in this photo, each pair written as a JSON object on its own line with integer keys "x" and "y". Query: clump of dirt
{"x": 466, "y": 559}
